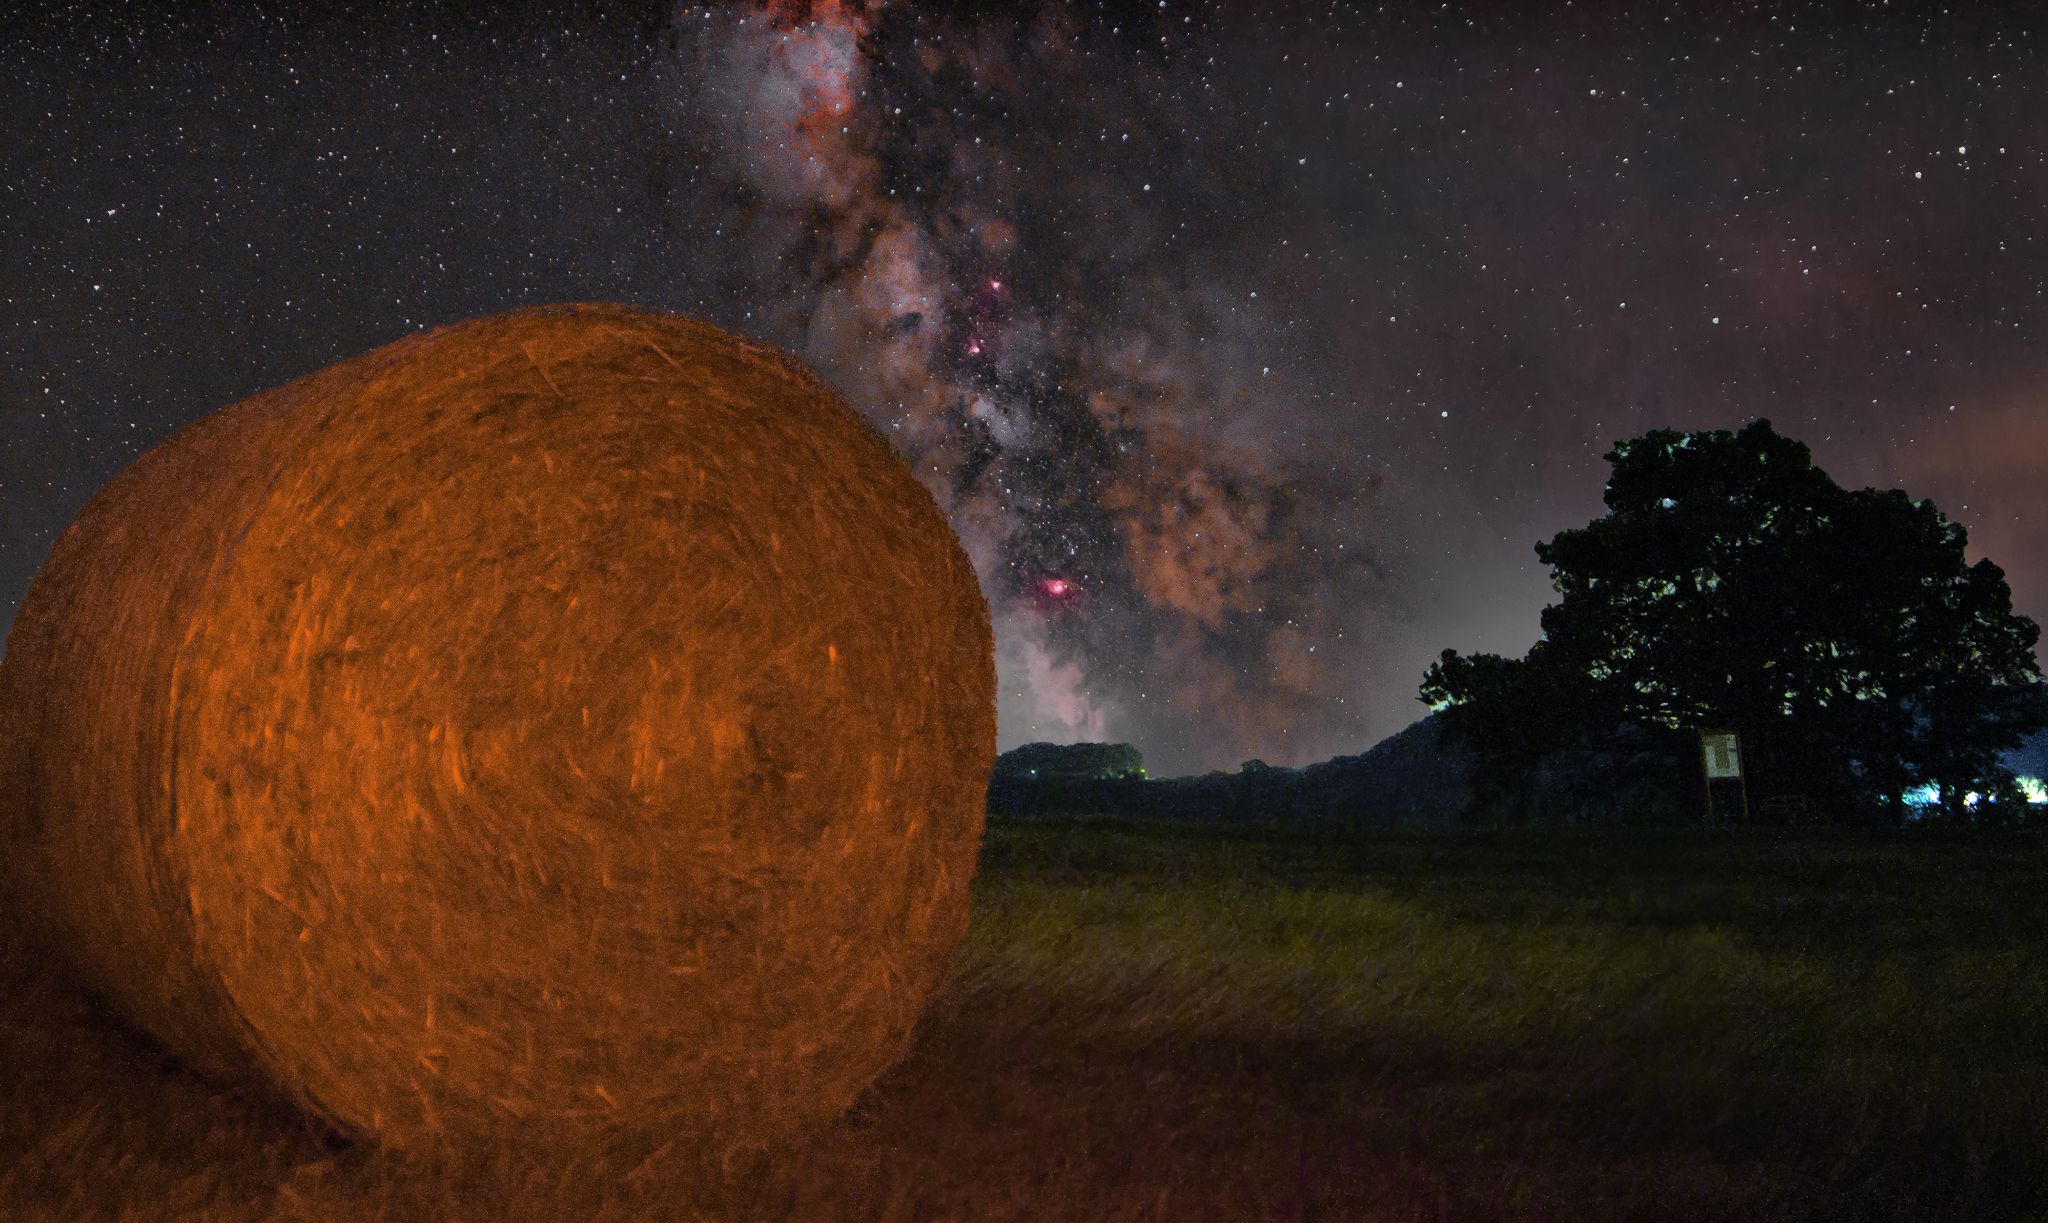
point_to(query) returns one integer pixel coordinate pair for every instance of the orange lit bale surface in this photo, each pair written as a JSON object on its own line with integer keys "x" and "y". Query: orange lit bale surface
{"x": 568, "y": 725}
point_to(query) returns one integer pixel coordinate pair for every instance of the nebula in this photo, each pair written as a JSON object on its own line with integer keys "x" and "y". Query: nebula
{"x": 1080, "y": 376}
{"x": 1274, "y": 335}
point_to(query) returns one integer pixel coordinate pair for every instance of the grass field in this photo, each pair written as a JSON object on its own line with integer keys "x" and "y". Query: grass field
{"x": 1153, "y": 1022}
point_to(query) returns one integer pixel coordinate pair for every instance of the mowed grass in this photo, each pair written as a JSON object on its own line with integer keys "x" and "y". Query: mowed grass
{"x": 1542, "y": 1024}
{"x": 1172, "y": 1022}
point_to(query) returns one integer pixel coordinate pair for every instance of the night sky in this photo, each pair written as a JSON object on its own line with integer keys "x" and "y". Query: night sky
{"x": 1249, "y": 348}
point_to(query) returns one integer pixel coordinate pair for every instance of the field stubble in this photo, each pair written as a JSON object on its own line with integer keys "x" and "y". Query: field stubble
{"x": 1152, "y": 1022}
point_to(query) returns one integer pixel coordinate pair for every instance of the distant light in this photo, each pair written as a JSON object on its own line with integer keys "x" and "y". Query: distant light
{"x": 1055, "y": 586}
{"x": 2033, "y": 789}
{"x": 997, "y": 285}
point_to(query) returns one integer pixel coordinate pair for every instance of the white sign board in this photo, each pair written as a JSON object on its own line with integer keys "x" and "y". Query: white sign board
{"x": 1723, "y": 757}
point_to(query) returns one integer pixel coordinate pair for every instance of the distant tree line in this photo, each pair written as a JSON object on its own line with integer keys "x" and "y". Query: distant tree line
{"x": 1408, "y": 779}
{"x": 1071, "y": 760}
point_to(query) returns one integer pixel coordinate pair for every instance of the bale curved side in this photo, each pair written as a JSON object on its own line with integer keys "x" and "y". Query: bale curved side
{"x": 572, "y": 724}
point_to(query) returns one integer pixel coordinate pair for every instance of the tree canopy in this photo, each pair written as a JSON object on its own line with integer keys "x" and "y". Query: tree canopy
{"x": 1050, "y": 760}
{"x": 1732, "y": 584}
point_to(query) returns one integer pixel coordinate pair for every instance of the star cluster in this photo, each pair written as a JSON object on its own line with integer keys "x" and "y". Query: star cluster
{"x": 1248, "y": 348}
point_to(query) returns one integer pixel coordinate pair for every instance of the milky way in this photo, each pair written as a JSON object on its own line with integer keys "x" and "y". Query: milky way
{"x": 959, "y": 218}
{"x": 1248, "y": 351}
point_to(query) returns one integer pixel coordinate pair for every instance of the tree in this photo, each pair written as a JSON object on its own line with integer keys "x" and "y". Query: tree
{"x": 1731, "y": 583}
{"x": 1084, "y": 760}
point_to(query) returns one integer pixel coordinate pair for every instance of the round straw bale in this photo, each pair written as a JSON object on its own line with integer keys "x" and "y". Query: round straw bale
{"x": 572, "y": 724}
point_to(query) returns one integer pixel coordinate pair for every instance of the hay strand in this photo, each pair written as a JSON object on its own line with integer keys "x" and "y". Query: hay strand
{"x": 567, "y": 726}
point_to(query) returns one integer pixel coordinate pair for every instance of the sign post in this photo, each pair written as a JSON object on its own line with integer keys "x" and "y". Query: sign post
{"x": 1721, "y": 761}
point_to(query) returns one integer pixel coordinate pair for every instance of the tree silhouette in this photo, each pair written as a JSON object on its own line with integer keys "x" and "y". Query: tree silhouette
{"x": 1731, "y": 583}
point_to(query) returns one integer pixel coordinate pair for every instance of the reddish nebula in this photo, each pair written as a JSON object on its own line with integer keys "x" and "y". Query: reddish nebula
{"x": 829, "y": 83}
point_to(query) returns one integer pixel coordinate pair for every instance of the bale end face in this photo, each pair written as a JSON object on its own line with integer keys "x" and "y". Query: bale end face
{"x": 571, "y": 724}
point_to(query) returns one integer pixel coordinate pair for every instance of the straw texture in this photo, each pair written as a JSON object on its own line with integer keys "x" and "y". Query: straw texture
{"x": 570, "y": 726}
